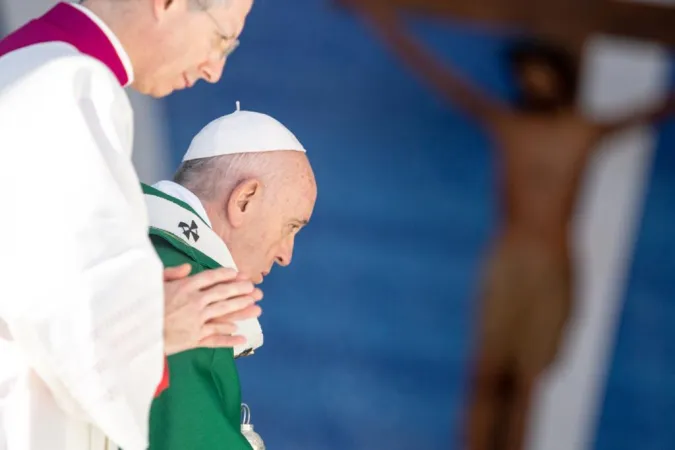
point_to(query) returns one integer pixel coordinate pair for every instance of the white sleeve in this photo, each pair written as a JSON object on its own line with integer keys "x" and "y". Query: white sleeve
{"x": 83, "y": 292}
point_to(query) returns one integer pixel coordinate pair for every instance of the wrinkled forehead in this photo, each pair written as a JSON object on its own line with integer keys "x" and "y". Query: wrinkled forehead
{"x": 296, "y": 187}
{"x": 300, "y": 201}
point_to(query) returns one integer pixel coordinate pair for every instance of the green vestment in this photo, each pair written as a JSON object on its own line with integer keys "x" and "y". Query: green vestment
{"x": 201, "y": 409}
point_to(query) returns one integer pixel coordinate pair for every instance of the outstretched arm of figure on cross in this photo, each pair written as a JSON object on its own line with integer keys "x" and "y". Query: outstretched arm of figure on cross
{"x": 647, "y": 117}
{"x": 452, "y": 86}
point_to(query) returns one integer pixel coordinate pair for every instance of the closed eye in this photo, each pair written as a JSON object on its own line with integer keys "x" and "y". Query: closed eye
{"x": 296, "y": 226}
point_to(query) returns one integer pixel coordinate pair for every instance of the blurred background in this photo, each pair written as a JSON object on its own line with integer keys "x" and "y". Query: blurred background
{"x": 368, "y": 335}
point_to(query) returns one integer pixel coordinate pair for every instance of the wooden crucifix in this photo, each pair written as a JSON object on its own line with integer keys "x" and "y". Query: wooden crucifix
{"x": 544, "y": 143}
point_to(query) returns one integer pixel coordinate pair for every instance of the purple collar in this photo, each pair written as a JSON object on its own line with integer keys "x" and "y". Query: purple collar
{"x": 66, "y": 23}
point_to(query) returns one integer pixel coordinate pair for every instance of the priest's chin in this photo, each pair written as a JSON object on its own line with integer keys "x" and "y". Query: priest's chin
{"x": 155, "y": 90}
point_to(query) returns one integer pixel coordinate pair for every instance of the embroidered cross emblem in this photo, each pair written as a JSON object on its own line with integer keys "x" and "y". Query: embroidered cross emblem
{"x": 189, "y": 230}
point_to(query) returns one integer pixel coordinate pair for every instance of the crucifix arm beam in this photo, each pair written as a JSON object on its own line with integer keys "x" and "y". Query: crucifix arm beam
{"x": 638, "y": 20}
{"x": 563, "y": 19}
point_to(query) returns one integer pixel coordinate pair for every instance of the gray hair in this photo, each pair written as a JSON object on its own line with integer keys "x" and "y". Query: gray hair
{"x": 208, "y": 178}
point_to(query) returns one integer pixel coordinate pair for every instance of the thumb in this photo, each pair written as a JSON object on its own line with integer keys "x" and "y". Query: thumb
{"x": 176, "y": 273}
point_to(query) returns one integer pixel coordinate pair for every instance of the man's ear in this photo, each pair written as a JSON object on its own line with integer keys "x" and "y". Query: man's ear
{"x": 243, "y": 199}
{"x": 161, "y": 7}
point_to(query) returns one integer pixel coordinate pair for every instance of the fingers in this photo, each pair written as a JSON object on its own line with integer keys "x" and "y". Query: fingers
{"x": 226, "y": 291}
{"x": 250, "y": 312}
{"x": 212, "y": 329}
{"x": 202, "y": 310}
{"x": 226, "y": 307}
{"x": 176, "y": 273}
{"x": 209, "y": 278}
{"x": 219, "y": 340}
{"x": 257, "y": 294}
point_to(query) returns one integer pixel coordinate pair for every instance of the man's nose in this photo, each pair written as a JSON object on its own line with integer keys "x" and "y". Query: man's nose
{"x": 285, "y": 253}
{"x": 212, "y": 71}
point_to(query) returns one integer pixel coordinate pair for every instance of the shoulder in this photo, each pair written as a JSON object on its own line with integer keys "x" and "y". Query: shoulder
{"x": 53, "y": 64}
{"x": 58, "y": 77}
{"x": 171, "y": 255}
{"x": 74, "y": 88}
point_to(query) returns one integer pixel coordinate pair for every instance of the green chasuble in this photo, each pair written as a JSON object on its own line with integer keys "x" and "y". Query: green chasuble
{"x": 201, "y": 409}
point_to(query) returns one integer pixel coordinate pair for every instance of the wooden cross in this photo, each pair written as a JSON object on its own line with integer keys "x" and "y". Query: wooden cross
{"x": 566, "y": 21}
{"x": 559, "y": 138}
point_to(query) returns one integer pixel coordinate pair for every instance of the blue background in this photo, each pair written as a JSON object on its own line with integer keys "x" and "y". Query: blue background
{"x": 368, "y": 333}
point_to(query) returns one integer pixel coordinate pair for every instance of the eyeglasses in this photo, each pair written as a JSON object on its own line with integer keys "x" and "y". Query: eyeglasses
{"x": 228, "y": 43}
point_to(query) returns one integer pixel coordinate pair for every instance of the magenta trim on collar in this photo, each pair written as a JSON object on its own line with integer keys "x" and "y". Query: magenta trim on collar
{"x": 64, "y": 23}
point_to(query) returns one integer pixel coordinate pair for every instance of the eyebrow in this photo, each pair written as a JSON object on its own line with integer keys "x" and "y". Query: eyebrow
{"x": 219, "y": 29}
